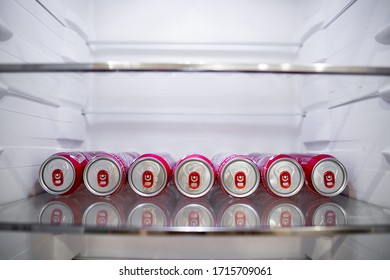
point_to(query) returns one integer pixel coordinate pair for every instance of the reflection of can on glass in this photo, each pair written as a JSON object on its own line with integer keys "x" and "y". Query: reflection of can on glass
{"x": 106, "y": 173}
{"x": 281, "y": 213}
{"x": 322, "y": 211}
{"x": 194, "y": 175}
{"x": 281, "y": 175}
{"x": 324, "y": 173}
{"x": 152, "y": 211}
{"x": 62, "y": 173}
{"x": 149, "y": 174}
{"x": 64, "y": 210}
{"x": 238, "y": 175}
{"x": 193, "y": 213}
{"x": 234, "y": 212}
{"x": 107, "y": 211}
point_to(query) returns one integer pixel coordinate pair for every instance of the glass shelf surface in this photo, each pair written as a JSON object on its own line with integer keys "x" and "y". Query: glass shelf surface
{"x": 215, "y": 214}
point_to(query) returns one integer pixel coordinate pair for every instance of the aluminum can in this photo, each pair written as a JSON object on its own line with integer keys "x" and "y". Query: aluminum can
{"x": 149, "y": 174}
{"x": 238, "y": 175}
{"x": 324, "y": 174}
{"x": 62, "y": 173}
{"x": 194, "y": 175}
{"x": 152, "y": 211}
{"x": 281, "y": 175}
{"x": 106, "y": 173}
{"x": 193, "y": 213}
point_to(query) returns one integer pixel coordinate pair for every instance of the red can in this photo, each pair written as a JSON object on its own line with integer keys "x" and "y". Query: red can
{"x": 238, "y": 175}
{"x": 62, "y": 173}
{"x": 149, "y": 174}
{"x": 194, "y": 175}
{"x": 106, "y": 173}
{"x": 281, "y": 175}
{"x": 324, "y": 174}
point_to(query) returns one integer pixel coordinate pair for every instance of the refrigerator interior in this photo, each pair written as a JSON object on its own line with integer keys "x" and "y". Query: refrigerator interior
{"x": 203, "y": 77}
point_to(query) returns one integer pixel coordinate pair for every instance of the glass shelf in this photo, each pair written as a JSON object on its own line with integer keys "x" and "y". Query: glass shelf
{"x": 128, "y": 66}
{"x": 217, "y": 214}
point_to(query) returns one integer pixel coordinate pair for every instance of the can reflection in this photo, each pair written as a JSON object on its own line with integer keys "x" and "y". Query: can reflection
{"x": 193, "y": 213}
{"x": 234, "y": 212}
{"x": 152, "y": 211}
{"x": 322, "y": 211}
{"x": 64, "y": 210}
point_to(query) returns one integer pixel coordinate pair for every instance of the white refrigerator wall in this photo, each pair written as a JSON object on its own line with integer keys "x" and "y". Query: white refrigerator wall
{"x": 182, "y": 113}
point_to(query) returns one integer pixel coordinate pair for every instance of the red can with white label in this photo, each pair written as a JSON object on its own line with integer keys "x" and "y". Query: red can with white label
{"x": 62, "y": 173}
{"x": 106, "y": 173}
{"x": 324, "y": 174}
{"x": 238, "y": 175}
{"x": 194, "y": 175}
{"x": 281, "y": 175}
{"x": 149, "y": 174}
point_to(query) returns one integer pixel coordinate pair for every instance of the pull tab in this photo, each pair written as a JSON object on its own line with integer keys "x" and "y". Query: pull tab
{"x": 101, "y": 217}
{"x": 240, "y": 179}
{"x": 330, "y": 218}
{"x": 57, "y": 177}
{"x": 329, "y": 179}
{"x": 194, "y": 180}
{"x": 147, "y": 218}
{"x": 193, "y": 219}
{"x": 147, "y": 179}
{"x": 102, "y": 178}
{"x": 240, "y": 219}
{"x": 285, "y": 179}
{"x": 56, "y": 217}
{"x": 285, "y": 219}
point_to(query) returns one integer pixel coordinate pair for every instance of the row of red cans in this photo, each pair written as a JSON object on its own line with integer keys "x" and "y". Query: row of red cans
{"x": 163, "y": 211}
{"x": 105, "y": 174}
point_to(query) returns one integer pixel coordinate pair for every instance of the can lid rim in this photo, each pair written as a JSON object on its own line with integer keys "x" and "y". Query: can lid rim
{"x": 42, "y": 181}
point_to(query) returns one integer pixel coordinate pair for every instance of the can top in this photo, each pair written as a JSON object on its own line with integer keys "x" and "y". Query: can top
{"x": 102, "y": 176}
{"x": 101, "y": 214}
{"x": 240, "y": 176}
{"x": 194, "y": 177}
{"x": 147, "y": 176}
{"x": 240, "y": 215}
{"x": 57, "y": 175}
{"x": 194, "y": 215}
{"x": 285, "y": 215}
{"x": 329, "y": 214}
{"x": 285, "y": 177}
{"x": 147, "y": 215}
{"x": 56, "y": 213}
{"x": 329, "y": 177}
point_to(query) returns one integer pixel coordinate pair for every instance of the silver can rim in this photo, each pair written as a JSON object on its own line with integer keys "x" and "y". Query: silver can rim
{"x": 90, "y": 188}
{"x": 343, "y": 185}
{"x": 42, "y": 182}
{"x": 132, "y": 186}
{"x": 301, "y": 180}
{"x": 212, "y": 178}
{"x": 257, "y": 182}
